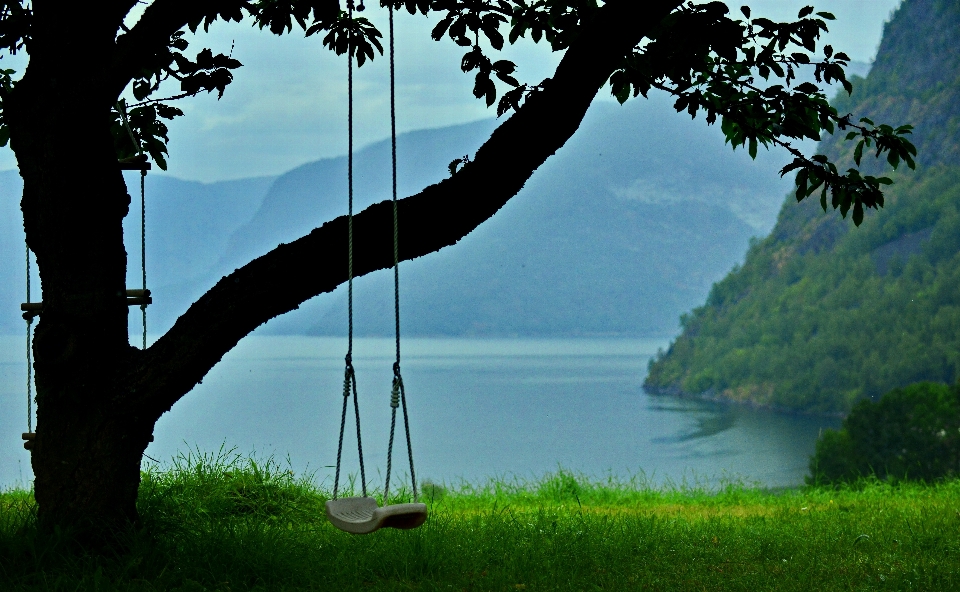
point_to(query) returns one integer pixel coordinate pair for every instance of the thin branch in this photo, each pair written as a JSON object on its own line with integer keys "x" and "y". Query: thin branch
{"x": 438, "y": 216}
{"x": 164, "y": 99}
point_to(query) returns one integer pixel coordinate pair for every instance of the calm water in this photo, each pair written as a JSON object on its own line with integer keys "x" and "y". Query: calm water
{"x": 479, "y": 408}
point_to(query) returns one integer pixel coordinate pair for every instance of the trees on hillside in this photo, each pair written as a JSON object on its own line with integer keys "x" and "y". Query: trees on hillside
{"x": 98, "y": 397}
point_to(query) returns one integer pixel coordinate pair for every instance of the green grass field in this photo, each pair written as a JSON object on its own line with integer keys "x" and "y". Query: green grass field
{"x": 223, "y": 522}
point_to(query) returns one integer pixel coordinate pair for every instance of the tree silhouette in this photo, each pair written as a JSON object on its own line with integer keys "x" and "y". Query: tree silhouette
{"x": 98, "y": 397}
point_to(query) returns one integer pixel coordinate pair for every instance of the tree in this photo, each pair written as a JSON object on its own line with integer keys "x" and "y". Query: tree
{"x": 911, "y": 433}
{"x": 98, "y": 397}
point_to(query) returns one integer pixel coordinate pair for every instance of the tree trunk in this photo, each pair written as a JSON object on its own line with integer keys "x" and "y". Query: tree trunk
{"x": 86, "y": 457}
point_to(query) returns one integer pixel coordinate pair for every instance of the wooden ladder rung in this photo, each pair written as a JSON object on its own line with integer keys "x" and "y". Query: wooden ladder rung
{"x": 135, "y": 163}
{"x": 139, "y": 297}
{"x": 31, "y": 309}
{"x": 29, "y": 437}
{"x": 134, "y": 297}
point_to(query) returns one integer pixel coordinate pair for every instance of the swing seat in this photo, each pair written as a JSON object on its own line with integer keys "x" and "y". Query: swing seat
{"x": 362, "y": 515}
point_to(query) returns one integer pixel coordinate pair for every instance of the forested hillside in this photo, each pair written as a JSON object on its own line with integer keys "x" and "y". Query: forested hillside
{"x": 821, "y": 313}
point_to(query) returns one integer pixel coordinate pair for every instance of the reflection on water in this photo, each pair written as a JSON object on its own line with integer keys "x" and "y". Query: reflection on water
{"x": 479, "y": 408}
{"x": 709, "y": 422}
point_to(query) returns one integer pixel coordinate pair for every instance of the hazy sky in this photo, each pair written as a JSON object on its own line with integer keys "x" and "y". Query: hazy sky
{"x": 287, "y": 105}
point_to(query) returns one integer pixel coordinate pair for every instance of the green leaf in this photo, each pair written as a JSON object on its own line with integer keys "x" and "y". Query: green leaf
{"x": 441, "y": 28}
{"x": 802, "y": 184}
{"x": 858, "y": 153}
{"x": 805, "y": 11}
{"x": 817, "y": 182}
{"x": 753, "y": 148}
{"x": 621, "y": 92}
{"x": 910, "y": 161}
{"x": 894, "y": 159}
{"x": 857, "y": 213}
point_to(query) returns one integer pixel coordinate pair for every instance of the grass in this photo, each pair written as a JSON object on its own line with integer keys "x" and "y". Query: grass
{"x": 227, "y": 523}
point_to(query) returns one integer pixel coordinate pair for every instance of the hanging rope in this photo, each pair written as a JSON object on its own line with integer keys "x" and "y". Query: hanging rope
{"x": 121, "y": 107}
{"x": 397, "y": 394}
{"x": 143, "y": 250}
{"x": 29, "y": 320}
{"x": 349, "y": 377}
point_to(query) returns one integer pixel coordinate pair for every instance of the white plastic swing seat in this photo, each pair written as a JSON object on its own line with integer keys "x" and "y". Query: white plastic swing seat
{"x": 362, "y": 515}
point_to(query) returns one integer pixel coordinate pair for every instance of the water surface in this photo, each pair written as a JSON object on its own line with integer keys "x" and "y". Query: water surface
{"x": 478, "y": 408}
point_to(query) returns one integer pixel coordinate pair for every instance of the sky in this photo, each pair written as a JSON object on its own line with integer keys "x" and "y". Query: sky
{"x": 288, "y": 104}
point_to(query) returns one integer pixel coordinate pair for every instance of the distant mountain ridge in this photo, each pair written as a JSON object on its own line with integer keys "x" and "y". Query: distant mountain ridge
{"x": 822, "y": 314}
{"x": 613, "y": 236}
{"x": 627, "y": 226}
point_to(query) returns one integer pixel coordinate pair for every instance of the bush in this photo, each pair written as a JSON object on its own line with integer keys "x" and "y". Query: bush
{"x": 910, "y": 433}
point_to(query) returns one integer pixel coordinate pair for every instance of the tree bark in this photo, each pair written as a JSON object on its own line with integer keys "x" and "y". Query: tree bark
{"x": 86, "y": 455}
{"x": 98, "y": 397}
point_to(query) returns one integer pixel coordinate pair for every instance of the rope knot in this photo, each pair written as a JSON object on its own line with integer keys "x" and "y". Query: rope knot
{"x": 347, "y": 379}
{"x": 395, "y": 393}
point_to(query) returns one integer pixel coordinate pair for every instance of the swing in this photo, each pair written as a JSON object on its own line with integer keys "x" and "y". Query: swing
{"x": 134, "y": 297}
{"x": 362, "y": 515}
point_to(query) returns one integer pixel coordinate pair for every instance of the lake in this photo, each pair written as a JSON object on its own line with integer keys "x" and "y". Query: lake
{"x": 479, "y": 408}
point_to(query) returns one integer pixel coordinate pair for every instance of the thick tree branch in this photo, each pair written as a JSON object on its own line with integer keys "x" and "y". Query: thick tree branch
{"x": 150, "y": 35}
{"x": 439, "y": 216}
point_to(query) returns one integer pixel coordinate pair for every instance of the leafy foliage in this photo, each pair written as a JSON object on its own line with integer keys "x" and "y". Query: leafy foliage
{"x": 710, "y": 62}
{"x": 911, "y": 433}
{"x": 15, "y": 21}
{"x": 279, "y": 15}
{"x": 147, "y": 132}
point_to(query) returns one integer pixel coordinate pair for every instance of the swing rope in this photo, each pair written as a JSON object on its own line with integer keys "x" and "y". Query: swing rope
{"x": 349, "y": 376}
{"x": 397, "y": 394}
{"x": 143, "y": 250}
{"x": 362, "y": 515}
{"x": 29, "y": 320}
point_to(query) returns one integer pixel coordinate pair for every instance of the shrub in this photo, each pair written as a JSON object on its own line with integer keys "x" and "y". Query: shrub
{"x": 910, "y": 433}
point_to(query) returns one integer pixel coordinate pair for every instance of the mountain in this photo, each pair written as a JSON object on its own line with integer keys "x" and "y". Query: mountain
{"x": 822, "y": 314}
{"x": 622, "y": 229}
{"x": 617, "y": 234}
